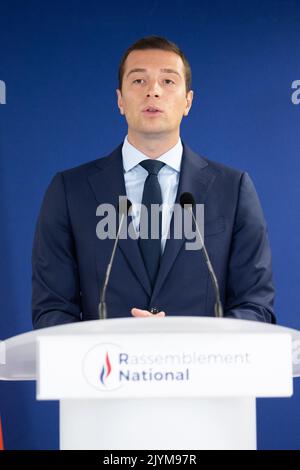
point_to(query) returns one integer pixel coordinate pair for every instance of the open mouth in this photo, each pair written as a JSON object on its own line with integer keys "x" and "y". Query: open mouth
{"x": 152, "y": 111}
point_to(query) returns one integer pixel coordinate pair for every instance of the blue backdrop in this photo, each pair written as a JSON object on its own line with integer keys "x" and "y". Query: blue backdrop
{"x": 59, "y": 61}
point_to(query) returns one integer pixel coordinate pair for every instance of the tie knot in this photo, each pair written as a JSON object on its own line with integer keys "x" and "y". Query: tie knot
{"x": 152, "y": 166}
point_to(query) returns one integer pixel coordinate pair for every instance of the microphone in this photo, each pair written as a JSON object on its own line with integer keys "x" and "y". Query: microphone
{"x": 123, "y": 210}
{"x": 187, "y": 202}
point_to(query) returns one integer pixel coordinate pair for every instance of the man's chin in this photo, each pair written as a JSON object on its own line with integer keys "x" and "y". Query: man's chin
{"x": 153, "y": 131}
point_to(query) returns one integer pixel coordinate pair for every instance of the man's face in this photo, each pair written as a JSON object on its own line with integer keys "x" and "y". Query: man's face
{"x": 160, "y": 83}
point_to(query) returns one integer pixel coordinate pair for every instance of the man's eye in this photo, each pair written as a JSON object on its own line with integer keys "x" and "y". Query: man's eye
{"x": 167, "y": 80}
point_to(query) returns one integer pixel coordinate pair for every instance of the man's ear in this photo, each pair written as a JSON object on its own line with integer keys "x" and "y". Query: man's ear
{"x": 189, "y": 101}
{"x": 120, "y": 101}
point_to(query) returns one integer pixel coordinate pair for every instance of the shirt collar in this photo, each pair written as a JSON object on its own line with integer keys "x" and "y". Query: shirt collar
{"x": 132, "y": 156}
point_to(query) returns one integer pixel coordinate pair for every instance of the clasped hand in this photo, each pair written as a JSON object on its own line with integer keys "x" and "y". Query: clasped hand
{"x": 137, "y": 312}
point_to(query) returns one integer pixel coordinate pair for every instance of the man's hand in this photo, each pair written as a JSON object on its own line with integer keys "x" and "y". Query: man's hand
{"x": 137, "y": 312}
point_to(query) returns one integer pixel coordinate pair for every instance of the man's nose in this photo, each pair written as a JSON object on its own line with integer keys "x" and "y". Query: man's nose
{"x": 153, "y": 89}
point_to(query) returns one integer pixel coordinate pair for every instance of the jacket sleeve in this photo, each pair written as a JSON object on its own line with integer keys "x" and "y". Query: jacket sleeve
{"x": 250, "y": 290}
{"x": 55, "y": 280}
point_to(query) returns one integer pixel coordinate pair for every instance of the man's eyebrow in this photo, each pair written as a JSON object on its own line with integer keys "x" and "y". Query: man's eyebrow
{"x": 170, "y": 71}
{"x": 145, "y": 70}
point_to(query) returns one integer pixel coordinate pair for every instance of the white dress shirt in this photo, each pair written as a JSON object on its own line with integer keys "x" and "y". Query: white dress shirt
{"x": 168, "y": 177}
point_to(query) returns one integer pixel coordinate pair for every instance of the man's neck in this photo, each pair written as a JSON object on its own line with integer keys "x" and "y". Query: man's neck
{"x": 151, "y": 145}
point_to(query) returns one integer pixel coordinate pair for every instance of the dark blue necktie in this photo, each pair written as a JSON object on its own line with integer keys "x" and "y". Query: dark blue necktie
{"x": 151, "y": 247}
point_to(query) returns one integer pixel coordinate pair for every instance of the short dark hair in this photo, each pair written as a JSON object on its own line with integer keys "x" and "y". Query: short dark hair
{"x": 157, "y": 42}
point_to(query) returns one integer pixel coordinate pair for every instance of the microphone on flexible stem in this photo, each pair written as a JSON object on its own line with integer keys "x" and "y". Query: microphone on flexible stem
{"x": 123, "y": 209}
{"x": 187, "y": 202}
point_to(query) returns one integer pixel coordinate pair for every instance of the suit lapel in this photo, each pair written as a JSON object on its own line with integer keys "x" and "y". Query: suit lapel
{"x": 196, "y": 181}
{"x": 108, "y": 184}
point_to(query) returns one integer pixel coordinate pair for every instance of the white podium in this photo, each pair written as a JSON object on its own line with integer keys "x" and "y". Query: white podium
{"x": 156, "y": 383}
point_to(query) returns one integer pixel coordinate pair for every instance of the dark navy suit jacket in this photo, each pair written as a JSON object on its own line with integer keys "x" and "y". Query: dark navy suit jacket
{"x": 69, "y": 261}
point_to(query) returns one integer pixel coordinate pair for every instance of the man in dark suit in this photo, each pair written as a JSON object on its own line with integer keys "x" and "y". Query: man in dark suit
{"x": 151, "y": 166}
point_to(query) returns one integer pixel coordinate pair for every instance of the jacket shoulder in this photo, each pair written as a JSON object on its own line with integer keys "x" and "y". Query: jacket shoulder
{"x": 91, "y": 166}
{"x": 223, "y": 170}
{"x": 212, "y": 166}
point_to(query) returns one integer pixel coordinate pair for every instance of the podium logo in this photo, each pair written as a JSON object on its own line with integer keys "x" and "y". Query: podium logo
{"x": 99, "y": 367}
{"x": 106, "y": 370}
